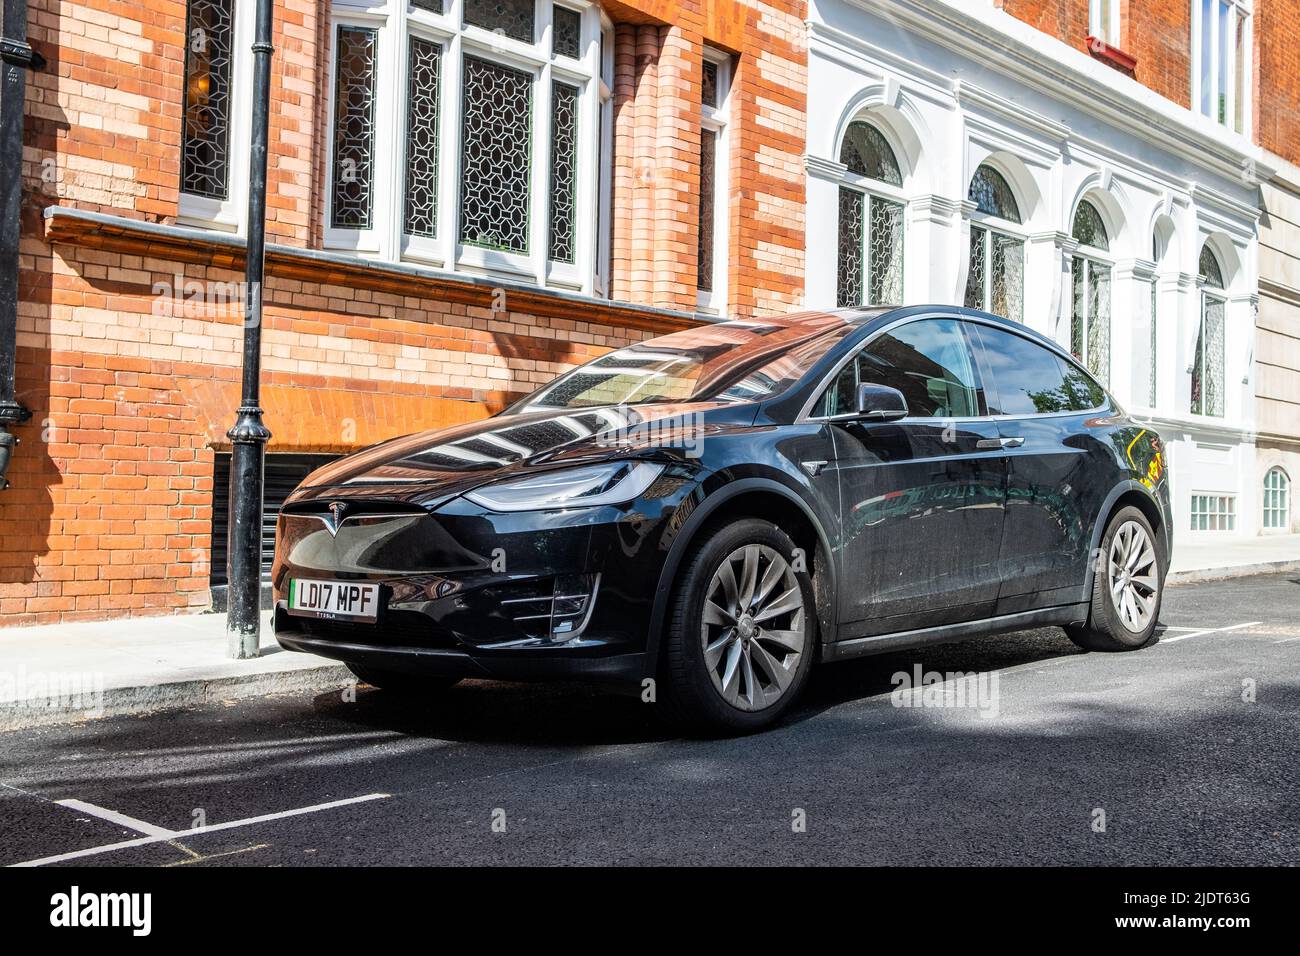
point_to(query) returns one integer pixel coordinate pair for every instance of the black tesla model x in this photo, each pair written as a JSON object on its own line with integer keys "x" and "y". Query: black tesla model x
{"x": 717, "y": 509}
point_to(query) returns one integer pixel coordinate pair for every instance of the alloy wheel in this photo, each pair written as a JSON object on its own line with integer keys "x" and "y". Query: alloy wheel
{"x": 753, "y": 627}
{"x": 1133, "y": 576}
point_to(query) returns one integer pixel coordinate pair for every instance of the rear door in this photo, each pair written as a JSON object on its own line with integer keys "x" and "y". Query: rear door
{"x": 1058, "y": 472}
{"x": 922, "y": 498}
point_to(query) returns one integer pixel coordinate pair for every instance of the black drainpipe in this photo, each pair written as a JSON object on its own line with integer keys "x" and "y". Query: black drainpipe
{"x": 17, "y": 57}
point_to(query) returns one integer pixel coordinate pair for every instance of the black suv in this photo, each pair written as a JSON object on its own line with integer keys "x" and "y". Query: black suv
{"x": 716, "y": 509}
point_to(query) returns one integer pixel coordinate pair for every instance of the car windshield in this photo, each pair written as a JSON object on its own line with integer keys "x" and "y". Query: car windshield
{"x": 728, "y": 362}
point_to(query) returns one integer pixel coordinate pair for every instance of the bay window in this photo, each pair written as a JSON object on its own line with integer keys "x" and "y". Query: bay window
{"x": 995, "y": 280}
{"x": 497, "y": 109}
{"x": 1091, "y": 288}
{"x": 871, "y": 210}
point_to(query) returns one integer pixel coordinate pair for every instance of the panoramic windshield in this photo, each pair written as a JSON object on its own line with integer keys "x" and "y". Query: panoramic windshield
{"x": 730, "y": 362}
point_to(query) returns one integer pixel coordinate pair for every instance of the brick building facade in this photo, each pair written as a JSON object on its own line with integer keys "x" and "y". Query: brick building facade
{"x": 398, "y": 297}
{"x": 467, "y": 197}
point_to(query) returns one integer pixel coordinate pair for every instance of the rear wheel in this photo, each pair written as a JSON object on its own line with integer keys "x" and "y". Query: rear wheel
{"x": 401, "y": 683}
{"x": 741, "y": 630}
{"x": 1127, "y": 587}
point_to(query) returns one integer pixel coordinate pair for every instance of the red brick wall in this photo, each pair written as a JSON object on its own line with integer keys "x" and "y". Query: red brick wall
{"x": 110, "y": 509}
{"x": 1277, "y": 62}
{"x": 1156, "y": 32}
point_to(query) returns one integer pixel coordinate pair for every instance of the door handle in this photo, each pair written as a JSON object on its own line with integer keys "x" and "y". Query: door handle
{"x": 1011, "y": 442}
{"x": 988, "y": 443}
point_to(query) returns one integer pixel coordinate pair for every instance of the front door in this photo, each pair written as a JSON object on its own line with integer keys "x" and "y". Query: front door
{"x": 922, "y": 499}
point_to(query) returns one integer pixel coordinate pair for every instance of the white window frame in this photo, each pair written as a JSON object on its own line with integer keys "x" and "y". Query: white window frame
{"x": 397, "y": 21}
{"x": 1234, "y": 75}
{"x": 1283, "y": 491}
{"x": 229, "y": 214}
{"x": 716, "y": 119}
{"x": 1214, "y": 505}
{"x": 1104, "y": 21}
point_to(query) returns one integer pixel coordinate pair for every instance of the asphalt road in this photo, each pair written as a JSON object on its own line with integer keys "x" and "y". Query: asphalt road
{"x": 1182, "y": 753}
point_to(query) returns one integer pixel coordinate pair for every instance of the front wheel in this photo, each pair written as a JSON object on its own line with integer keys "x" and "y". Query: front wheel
{"x": 741, "y": 630}
{"x": 1127, "y": 587}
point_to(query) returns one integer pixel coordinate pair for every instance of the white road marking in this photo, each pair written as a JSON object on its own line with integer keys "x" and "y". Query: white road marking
{"x": 112, "y": 816}
{"x": 164, "y": 835}
{"x": 1208, "y": 630}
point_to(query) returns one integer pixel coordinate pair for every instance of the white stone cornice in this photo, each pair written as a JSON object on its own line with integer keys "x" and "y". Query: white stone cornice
{"x": 1015, "y": 48}
{"x": 824, "y": 168}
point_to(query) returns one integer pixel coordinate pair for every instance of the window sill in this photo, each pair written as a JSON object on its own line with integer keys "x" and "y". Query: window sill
{"x": 1112, "y": 55}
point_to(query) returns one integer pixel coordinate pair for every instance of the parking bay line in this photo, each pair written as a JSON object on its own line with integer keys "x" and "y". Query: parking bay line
{"x": 161, "y": 836}
{"x": 112, "y": 816}
{"x": 1208, "y": 630}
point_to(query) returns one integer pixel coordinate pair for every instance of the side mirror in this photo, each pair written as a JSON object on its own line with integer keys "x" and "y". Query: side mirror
{"x": 880, "y": 403}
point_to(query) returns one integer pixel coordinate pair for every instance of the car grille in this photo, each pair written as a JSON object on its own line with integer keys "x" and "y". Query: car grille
{"x": 397, "y": 629}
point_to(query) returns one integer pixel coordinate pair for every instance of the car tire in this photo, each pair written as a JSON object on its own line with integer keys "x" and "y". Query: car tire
{"x": 401, "y": 683}
{"x": 1127, "y": 586}
{"x": 715, "y": 684}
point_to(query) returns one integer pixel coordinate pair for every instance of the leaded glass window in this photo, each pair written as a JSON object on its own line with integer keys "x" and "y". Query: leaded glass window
{"x": 1209, "y": 268}
{"x": 566, "y": 32}
{"x": 1089, "y": 229}
{"x": 870, "y": 242}
{"x": 205, "y": 159}
{"x": 423, "y": 84}
{"x": 564, "y": 171}
{"x": 995, "y": 278}
{"x": 709, "y": 88}
{"x": 1090, "y": 316}
{"x": 513, "y": 18}
{"x": 992, "y": 194}
{"x": 1207, "y": 392}
{"x": 870, "y": 237}
{"x": 995, "y": 281}
{"x": 852, "y": 248}
{"x": 354, "y": 128}
{"x": 495, "y": 150}
{"x": 1277, "y": 504}
{"x": 708, "y": 175}
{"x": 866, "y": 152}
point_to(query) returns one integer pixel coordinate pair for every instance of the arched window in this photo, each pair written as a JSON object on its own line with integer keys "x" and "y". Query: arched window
{"x": 871, "y": 221}
{"x": 1207, "y": 361}
{"x": 1090, "y": 314}
{"x": 1277, "y": 503}
{"x": 995, "y": 281}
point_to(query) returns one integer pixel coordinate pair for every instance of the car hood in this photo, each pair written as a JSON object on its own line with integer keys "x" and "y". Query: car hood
{"x": 433, "y": 466}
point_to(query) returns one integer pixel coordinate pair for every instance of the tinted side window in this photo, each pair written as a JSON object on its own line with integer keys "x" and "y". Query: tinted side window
{"x": 929, "y": 361}
{"x": 1029, "y": 379}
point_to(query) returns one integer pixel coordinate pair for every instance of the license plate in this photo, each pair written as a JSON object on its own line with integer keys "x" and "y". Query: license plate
{"x": 341, "y": 600}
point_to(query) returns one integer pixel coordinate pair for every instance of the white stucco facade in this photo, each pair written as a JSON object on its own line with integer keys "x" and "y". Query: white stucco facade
{"x": 953, "y": 85}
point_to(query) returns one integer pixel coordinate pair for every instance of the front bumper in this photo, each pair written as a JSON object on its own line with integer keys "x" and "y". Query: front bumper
{"x": 471, "y": 593}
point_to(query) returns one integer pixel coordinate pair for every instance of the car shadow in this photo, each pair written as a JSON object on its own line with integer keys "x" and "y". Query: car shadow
{"x": 581, "y": 715}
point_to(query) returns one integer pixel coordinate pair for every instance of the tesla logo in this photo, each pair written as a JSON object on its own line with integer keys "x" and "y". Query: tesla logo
{"x": 335, "y": 516}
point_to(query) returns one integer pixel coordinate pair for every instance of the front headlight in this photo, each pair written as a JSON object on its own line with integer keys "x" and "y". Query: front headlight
{"x": 586, "y": 487}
